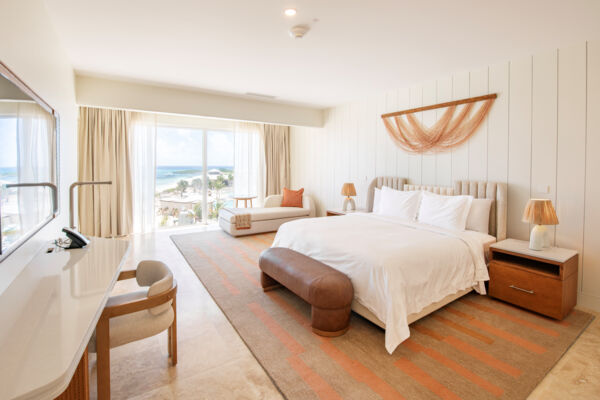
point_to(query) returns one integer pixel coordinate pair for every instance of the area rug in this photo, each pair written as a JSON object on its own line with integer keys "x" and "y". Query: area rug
{"x": 474, "y": 348}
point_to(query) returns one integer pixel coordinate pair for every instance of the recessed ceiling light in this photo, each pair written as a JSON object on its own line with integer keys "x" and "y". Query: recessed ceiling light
{"x": 290, "y": 12}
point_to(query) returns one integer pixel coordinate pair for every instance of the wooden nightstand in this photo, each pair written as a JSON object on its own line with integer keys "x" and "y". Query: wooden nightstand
{"x": 542, "y": 281}
{"x": 339, "y": 211}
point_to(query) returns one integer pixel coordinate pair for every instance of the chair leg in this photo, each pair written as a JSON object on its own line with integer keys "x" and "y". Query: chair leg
{"x": 103, "y": 359}
{"x": 169, "y": 341}
{"x": 173, "y": 334}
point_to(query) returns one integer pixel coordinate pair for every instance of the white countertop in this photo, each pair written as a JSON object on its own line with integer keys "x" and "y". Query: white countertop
{"x": 48, "y": 314}
{"x": 557, "y": 254}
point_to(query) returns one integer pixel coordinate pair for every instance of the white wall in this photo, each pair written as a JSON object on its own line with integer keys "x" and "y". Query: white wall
{"x": 542, "y": 137}
{"x": 30, "y": 48}
{"x": 99, "y": 92}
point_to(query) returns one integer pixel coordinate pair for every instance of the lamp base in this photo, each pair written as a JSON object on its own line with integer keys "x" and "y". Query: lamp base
{"x": 350, "y": 201}
{"x": 538, "y": 238}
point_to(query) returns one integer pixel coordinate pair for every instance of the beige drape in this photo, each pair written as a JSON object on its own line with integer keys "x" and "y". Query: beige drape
{"x": 277, "y": 158}
{"x": 105, "y": 211}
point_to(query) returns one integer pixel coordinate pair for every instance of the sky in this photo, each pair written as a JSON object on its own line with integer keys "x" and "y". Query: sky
{"x": 183, "y": 147}
{"x": 174, "y": 146}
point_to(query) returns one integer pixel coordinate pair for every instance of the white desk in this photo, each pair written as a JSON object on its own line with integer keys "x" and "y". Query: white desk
{"x": 48, "y": 314}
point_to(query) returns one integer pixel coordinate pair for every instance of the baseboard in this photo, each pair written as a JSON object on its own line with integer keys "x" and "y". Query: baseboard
{"x": 588, "y": 301}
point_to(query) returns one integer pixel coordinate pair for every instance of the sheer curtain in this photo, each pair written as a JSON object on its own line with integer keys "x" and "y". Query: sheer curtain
{"x": 249, "y": 171}
{"x": 143, "y": 171}
{"x": 36, "y": 138}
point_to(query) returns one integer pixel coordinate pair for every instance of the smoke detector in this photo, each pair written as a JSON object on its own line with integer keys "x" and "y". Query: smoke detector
{"x": 298, "y": 31}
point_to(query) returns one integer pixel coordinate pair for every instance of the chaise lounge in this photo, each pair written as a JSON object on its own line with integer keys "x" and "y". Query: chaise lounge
{"x": 264, "y": 219}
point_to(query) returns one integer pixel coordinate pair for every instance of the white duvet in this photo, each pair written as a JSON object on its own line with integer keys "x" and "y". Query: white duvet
{"x": 396, "y": 267}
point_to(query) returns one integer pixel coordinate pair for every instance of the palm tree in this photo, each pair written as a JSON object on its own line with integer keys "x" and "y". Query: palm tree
{"x": 219, "y": 184}
{"x": 182, "y": 185}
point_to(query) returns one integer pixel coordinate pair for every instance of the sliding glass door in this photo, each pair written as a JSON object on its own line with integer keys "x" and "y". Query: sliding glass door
{"x": 194, "y": 175}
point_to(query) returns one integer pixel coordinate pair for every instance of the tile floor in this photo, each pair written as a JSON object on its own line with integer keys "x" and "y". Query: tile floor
{"x": 214, "y": 363}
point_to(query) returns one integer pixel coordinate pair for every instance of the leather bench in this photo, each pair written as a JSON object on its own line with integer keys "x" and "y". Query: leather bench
{"x": 327, "y": 290}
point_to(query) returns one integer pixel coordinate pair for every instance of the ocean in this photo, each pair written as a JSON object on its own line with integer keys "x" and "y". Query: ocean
{"x": 167, "y": 176}
{"x": 8, "y": 175}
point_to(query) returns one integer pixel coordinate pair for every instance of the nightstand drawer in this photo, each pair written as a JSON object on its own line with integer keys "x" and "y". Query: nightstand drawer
{"x": 530, "y": 290}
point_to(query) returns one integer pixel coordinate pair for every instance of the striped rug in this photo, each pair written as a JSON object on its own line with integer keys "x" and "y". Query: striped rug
{"x": 474, "y": 348}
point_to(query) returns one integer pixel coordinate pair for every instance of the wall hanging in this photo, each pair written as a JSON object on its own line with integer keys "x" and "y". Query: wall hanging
{"x": 449, "y": 131}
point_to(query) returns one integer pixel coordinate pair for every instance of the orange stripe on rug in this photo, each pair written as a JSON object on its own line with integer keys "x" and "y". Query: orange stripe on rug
{"x": 463, "y": 329}
{"x": 246, "y": 242}
{"x": 237, "y": 264}
{"x": 360, "y": 372}
{"x": 224, "y": 279}
{"x": 285, "y": 338}
{"x": 483, "y": 356}
{"x": 241, "y": 253}
{"x": 261, "y": 239}
{"x": 453, "y": 365}
{"x": 425, "y": 379}
{"x": 353, "y": 367}
{"x": 312, "y": 379}
{"x": 512, "y": 318}
{"x": 501, "y": 333}
{"x": 519, "y": 341}
{"x": 428, "y": 332}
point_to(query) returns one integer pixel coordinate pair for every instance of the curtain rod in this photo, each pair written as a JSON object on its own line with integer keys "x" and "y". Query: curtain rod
{"x": 441, "y": 105}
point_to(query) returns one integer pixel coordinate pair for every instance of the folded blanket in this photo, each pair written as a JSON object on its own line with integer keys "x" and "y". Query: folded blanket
{"x": 242, "y": 220}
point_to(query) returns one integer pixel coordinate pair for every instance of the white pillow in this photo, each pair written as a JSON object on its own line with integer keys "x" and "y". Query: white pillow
{"x": 397, "y": 203}
{"x": 376, "y": 200}
{"x": 449, "y": 212}
{"x": 479, "y": 215}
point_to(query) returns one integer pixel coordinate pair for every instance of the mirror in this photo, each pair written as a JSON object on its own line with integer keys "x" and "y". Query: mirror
{"x": 28, "y": 162}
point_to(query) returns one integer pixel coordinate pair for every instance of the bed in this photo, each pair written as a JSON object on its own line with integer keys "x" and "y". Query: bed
{"x": 401, "y": 271}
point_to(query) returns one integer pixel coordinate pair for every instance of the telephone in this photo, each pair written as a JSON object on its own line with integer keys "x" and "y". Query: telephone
{"x": 77, "y": 239}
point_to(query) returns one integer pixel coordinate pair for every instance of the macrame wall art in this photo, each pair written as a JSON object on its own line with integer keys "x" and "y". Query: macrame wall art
{"x": 449, "y": 131}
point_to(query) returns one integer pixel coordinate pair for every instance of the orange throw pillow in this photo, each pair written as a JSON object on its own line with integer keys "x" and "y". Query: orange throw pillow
{"x": 292, "y": 198}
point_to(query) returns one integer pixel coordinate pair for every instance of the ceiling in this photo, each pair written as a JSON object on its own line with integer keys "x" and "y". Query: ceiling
{"x": 354, "y": 48}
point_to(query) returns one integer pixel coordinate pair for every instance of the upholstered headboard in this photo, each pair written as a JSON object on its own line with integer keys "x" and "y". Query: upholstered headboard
{"x": 479, "y": 190}
{"x": 390, "y": 181}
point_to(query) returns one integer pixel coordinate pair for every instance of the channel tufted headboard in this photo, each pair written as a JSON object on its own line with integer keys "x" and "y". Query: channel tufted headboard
{"x": 390, "y": 181}
{"x": 478, "y": 189}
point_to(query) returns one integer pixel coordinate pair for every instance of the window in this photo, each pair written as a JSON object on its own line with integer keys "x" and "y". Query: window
{"x": 186, "y": 158}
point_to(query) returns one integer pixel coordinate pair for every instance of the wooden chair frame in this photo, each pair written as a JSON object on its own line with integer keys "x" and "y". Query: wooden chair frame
{"x": 117, "y": 309}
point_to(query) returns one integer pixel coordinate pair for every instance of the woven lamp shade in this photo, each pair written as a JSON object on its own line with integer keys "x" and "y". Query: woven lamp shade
{"x": 348, "y": 189}
{"x": 540, "y": 212}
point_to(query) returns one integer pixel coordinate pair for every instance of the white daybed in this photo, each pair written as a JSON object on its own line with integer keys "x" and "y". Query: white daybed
{"x": 267, "y": 218}
{"x": 400, "y": 270}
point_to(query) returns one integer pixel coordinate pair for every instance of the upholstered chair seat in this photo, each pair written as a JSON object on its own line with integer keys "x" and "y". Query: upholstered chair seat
{"x": 136, "y": 315}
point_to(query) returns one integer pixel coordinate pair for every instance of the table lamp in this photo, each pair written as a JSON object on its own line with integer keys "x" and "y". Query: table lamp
{"x": 539, "y": 212}
{"x": 349, "y": 190}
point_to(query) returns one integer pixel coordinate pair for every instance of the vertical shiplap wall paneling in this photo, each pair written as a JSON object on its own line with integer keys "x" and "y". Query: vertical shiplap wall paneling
{"x": 402, "y": 156}
{"x": 519, "y": 147}
{"x": 382, "y": 138}
{"x": 460, "y": 155}
{"x": 544, "y": 127}
{"x": 391, "y": 105}
{"x": 534, "y": 139}
{"x": 363, "y": 154}
{"x": 570, "y": 177}
{"x": 414, "y": 160}
{"x": 477, "y": 145}
{"x": 428, "y": 176}
{"x": 443, "y": 161}
{"x": 591, "y": 246}
{"x": 498, "y": 124}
